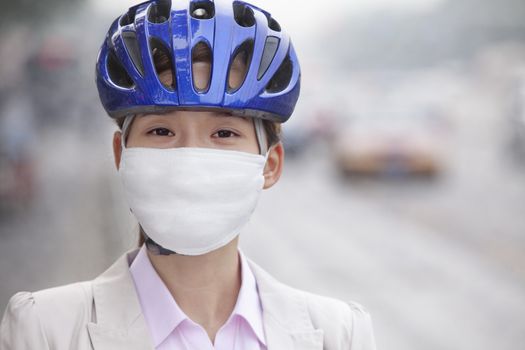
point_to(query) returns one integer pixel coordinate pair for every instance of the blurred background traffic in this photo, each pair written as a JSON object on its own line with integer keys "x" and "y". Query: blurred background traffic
{"x": 404, "y": 187}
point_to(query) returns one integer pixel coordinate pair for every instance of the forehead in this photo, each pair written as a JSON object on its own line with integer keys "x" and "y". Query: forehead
{"x": 194, "y": 116}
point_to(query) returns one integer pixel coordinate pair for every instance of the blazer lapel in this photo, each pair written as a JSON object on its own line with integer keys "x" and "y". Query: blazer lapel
{"x": 287, "y": 322}
{"x": 119, "y": 323}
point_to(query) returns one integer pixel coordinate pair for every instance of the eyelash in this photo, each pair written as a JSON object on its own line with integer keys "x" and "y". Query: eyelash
{"x": 232, "y": 133}
{"x": 152, "y": 132}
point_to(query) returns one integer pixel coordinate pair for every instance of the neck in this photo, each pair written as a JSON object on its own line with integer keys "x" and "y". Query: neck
{"x": 205, "y": 287}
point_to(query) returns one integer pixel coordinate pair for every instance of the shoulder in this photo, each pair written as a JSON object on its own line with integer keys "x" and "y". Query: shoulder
{"x": 326, "y": 310}
{"x": 342, "y": 322}
{"x": 57, "y": 318}
{"x": 21, "y": 327}
{"x": 345, "y": 325}
{"x": 68, "y": 301}
{"x": 31, "y": 320}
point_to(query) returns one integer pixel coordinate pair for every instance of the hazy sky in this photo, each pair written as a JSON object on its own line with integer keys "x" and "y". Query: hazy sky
{"x": 296, "y": 15}
{"x": 286, "y": 5}
{"x": 300, "y": 17}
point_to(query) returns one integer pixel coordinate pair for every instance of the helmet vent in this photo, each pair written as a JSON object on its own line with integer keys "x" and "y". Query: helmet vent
{"x": 239, "y": 65}
{"x": 128, "y": 18}
{"x": 202, "y": 10}
{"x": 282, "y": 77}
{"x": 132, "y": 45}
{"x": 201, "y": 65}
{"x": 272, "y": 23}
{"x": 161, "y": 56}
{"x": 117, "y": 73}
{"x": 159, "y": 12}
{"x": 270, "y": 49}
{"x": 243, "y": 14}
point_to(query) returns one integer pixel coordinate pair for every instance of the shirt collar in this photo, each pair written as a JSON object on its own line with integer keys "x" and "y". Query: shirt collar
{"x": 160, "y": 310}
{"x": 248, "y": 304}
{"x": 163, "y": 314}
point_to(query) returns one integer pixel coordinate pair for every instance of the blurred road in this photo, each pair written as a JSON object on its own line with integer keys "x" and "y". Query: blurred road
{"x": 53, "y": 241}
{"x": 438, "y": 263}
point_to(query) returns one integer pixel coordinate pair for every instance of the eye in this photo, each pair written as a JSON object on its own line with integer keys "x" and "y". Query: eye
{"x": 222, "y": 134}
{"x": 161, "y": 132}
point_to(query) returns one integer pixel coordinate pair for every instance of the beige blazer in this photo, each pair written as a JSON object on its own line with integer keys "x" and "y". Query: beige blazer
{"x": 105, "y": 314}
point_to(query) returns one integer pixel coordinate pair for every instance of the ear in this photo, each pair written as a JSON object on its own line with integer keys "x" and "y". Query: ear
{"x": 274, "y": 165}
{"x": 117, "y": 148}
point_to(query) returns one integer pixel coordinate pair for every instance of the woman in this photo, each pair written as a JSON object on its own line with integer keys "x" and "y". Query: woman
{"x": 198, "y": 91}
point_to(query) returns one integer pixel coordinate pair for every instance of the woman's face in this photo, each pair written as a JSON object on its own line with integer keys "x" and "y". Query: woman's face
{"x": 193, "y": 129}
{"x": 201, "y": 128}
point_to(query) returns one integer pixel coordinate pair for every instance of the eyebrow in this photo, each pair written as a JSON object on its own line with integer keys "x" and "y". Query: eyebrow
{"x": 230, "y": 114}
{"x": 222, "y": 114}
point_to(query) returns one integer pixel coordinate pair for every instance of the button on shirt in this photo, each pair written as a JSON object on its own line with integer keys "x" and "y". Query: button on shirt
{"x": 172, "y": 329}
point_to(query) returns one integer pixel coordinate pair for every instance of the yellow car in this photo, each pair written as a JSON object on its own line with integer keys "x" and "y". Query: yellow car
{"x": 389, "y": 145}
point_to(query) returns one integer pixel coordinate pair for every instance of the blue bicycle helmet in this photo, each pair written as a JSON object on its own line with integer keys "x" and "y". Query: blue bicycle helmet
{"x": 128, "y": 82}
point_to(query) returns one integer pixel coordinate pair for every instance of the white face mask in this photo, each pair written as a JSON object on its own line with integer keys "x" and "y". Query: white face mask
{"x": 191, "y": 200}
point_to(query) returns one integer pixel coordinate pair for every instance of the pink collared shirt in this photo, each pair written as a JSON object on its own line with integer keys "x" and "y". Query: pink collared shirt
{"x": 172, "y": 329}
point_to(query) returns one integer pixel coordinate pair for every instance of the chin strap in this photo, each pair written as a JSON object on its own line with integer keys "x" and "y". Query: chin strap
{"x": 154, "y": 247}
{"x": 157, "y": 249}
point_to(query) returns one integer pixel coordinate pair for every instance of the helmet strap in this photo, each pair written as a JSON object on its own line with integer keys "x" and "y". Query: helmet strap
{"x": 125, "y": 129}
{"x": 260, "y": 132}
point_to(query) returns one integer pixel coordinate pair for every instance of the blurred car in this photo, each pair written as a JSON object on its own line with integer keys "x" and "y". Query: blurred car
{"x": 390, "y": 144}
{"x": 517, "y": 120}
{"x": 7, "y": 178}
{"x": 324, "y": 123}
{"x": 316, "y": 125}
{"x": 54, "y": 54}
{"x": 295, "y": 140}
{"x": 16, "y": 182}
{"x": 17, "y": 167}
{"x": 52, "y": 71}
